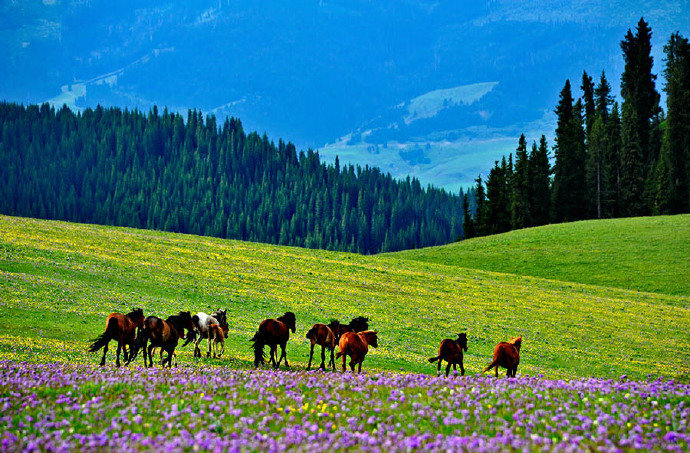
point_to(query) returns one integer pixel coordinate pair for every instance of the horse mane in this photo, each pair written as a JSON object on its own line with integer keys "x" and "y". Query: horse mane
{"x": 369, "y": 334}
{"x": 289, "y": 320}
{"x": 517, "y": 342}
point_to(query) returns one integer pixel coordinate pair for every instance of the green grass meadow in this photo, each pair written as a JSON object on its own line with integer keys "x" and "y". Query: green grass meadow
{"x": 59, "y": 281}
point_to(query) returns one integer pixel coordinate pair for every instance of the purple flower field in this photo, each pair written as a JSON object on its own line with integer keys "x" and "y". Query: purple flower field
{"x": 60, "y": 407}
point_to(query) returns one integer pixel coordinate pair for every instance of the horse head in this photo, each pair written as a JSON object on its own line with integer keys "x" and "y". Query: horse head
{"x": 187, "y": 321}
{"x": 222, "y": 317}
{"x": 289, "y": 319}
{"x": 359, "y": 324}
{"x": 462, "y": 341}
{"x": 137, "y": 315}
{"x": 517, "y": 342}
{"x": 371, "y": 337}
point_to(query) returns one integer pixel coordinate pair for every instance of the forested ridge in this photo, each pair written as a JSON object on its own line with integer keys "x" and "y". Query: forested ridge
{"x": 609, "y": 161}
{"x": 160, "y": 171}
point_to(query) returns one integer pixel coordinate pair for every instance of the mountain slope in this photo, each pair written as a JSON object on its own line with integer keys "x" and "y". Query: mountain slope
{"x": 59, "y": 280}
{"x": 640, "y": 253}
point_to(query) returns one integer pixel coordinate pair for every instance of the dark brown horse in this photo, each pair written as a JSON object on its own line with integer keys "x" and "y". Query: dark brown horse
{"x": 359, "y": 324}
{"x": 451, "y": 352}
{"x": 163, "y": 334}
{"x": 507, "y": 355}
{"x": 274, "y": 333}
{"x": 322, "y": 335}
{"x": 121, "y": 328}
{"x": 356, "y": 345}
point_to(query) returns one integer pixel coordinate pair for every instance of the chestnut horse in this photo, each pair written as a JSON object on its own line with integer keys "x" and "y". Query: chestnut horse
{"x": 218, "y": 334}
{"x": 274, "y": 333}
{"x": 323, "y": 336}
{"x": 356, "y": 345}
{"x": 163, "y": 334}
{"x": 121, "y": 328}
{"x": 507, "y": 355}
{"x": 451, "y": 352}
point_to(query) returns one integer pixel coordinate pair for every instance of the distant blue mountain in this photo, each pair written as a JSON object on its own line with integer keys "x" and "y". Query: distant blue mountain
{"x": 433, "y": 89}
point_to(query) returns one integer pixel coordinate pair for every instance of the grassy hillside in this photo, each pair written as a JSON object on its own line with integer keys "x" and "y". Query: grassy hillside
{"x": 640, "y": 253}
{"x": 58, "y": 281}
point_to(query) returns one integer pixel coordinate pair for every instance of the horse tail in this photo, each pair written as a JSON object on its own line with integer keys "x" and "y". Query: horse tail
{"x": 434, "y": 359}
{"x": 138, "y": 343}
{"x": 103, "y": 339}
{"x": 259, "y": 356}
{"x": 491, "y": 365}
{"x": 191, "y": 336}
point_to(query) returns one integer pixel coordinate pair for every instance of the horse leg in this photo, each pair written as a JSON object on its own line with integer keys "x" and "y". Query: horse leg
{"x": 462, "y": 369}
{"x": 283, "y": 355}
{"x": 208, "y": 354}
{"x": 448, "y": 369}
{"x": 344, "y": 368}
{"x": 440, "y": 360}
{"x": 332, "y": 362}
{"x": 105, "y": 351}
{"x": 274, "y": 352}
{"x": 311, "y": 354}
{"x": 150, "y": 354}
{"x": 125, "y": 353}
{"x": 496, "y": 369}
{"x": 359, "y": 369}
{"x": 117, "y": 355}
{"x": 197, "y": 351}
{"x": 323, "y": 358}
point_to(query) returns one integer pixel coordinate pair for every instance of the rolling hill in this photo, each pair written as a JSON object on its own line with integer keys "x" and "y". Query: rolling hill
{"x": 59, "y": 280}
{"x": 639, "y": 253}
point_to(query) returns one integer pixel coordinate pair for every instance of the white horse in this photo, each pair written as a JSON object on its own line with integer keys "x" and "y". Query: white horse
{"x": 203, "y": 323}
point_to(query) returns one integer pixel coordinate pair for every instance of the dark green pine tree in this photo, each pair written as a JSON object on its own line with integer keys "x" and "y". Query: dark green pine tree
{"x": 602, "y": 98}
{"x": 520, "y": 210}
{"x": 568, "y": 189}
{"x": 611, "y": 195}
{"x": 587, "y": 88}
{"x": 480, "y": 221}
{"x": 673, "y": 178}
{"x": 467, "y": 221}
{"x": 640, "y": 107}
{"x": 497, "y": 203}
{"x": 540, "y": 178}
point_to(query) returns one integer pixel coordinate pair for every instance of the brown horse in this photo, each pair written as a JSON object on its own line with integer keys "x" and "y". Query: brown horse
{"x": 274, "y": 333}
{"x": 356, "y": 345}
{"x": 218, "y": 334}
{"x": 121, "y": 328}
{"x": 323, "y": 336}
{"x": 451, "y": 352}
{"x": 163, "y": 334}
{"x": 507, "y": 355}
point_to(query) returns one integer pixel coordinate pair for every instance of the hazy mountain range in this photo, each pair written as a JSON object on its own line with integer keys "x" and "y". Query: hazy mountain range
{"x": 434, "y": 89}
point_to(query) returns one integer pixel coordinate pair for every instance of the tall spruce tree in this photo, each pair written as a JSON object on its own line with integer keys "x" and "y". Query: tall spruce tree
{"x": 640, "y": 106}
{"x": 520, "y": 212}
{"x": 467, "y": 221}
{"x": 497, "y": 203}
{"x": 568, "y": 190}
{"x": 540, "y": 177}
{"x": 480, "y": 220}
{"x": 673, "y": 178}
{"x": 587, "y": 88}
{"x": 611, "y": 204}
{"x": 603, "y": 100}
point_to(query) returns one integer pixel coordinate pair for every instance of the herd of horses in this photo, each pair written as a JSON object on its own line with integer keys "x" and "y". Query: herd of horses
{"x": 138, "y": 333}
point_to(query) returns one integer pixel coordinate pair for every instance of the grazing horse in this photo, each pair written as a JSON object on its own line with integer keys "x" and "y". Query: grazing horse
{"x": 323, "y": 336}
{"x": 507, "y": 355}
{"x": 121, "y": 328}
{"x": 203, "y": 323}
{"x": 359, "y": 324}
{"x": 163, "y": 334}
{"x": 356, "y": 345}
{"x": 451, "y": 352}
{"x": 274, "y": 333}
{"x": 219, "y": 334}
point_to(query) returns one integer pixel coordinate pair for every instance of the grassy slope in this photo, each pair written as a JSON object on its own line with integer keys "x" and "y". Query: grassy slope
{"x": 641, "y": 253}
{"x": 58, "y": 281}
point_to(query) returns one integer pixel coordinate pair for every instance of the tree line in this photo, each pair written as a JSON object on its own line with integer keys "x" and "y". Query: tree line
{"x": 159, "y": 171}
{"x": 609, "y": 161}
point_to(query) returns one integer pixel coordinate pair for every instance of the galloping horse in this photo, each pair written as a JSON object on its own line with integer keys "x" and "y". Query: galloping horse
{"x": 356, "y": 345}
{"x": 164, "y": 334}
{"x": 219, "y": 334}
{"x": 451, "y": 352}
{"x": 359, "y": 324}
{"x": 273, "y": 332}
{"x": 323, "y": 336}
{"x": 507, "y": 355}
{"x": 121, "y": 328}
